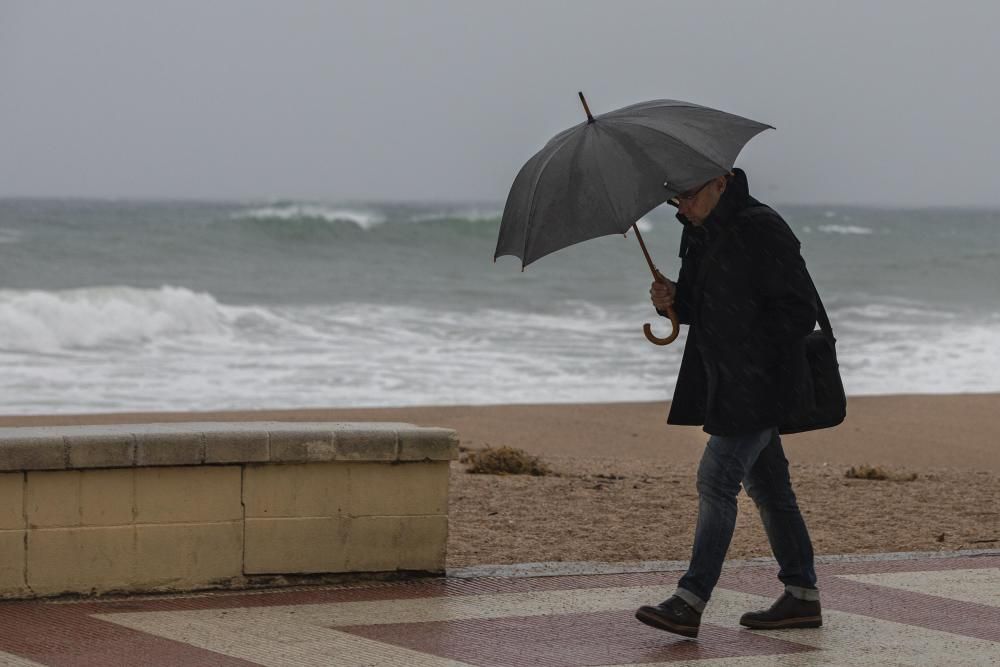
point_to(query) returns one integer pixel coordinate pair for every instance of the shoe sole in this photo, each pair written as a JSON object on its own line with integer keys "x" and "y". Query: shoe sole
{"x": 802, "y": 622}
{"x": 661, "y": 624}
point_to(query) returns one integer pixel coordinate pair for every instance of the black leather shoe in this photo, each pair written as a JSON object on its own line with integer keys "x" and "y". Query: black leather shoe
{"x": 787, "y": 612}
{"x": 673, "y": 615}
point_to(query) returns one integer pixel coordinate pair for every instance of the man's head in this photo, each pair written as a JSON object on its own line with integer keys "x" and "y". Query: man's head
{"x": 698, "y": 203}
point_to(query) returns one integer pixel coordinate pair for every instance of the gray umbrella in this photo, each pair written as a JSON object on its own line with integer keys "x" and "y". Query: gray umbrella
{"x": 601, "y": 176}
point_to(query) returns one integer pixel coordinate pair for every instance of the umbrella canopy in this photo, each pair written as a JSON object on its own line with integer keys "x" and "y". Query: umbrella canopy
{"x": 601, "y": 176}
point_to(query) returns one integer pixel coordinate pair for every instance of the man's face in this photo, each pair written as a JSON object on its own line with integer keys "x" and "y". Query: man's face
{"x": 698, "y": 204}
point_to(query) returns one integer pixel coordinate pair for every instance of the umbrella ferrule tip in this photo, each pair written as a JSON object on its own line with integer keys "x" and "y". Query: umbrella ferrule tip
{"x": 586, "y": 107}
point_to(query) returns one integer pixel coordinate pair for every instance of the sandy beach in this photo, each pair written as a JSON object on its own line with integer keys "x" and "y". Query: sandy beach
{"x": 624, "y": 488}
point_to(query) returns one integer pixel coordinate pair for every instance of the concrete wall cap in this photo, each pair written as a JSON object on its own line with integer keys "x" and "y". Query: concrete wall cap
{"x": 206, "y": 443}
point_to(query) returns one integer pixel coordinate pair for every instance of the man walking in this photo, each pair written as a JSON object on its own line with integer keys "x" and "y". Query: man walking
{"x": 744, "y": 290}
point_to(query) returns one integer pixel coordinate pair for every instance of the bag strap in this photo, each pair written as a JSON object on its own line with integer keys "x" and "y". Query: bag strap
{"x": 824, "y": 321}
{"x": 821, "y": 317}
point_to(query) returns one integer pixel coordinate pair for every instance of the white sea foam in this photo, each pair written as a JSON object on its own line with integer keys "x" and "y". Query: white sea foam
{"x": 351, "y": 354}
{"x": 939, "y": 358}
{"x": 363, "y": 219}
{"x": 903, "y": 311}
{"x": 470, "y": 214}
{"x": 33, "y": 320}
{"x": 121, "y": 348}
{"x": 844, "y": 229}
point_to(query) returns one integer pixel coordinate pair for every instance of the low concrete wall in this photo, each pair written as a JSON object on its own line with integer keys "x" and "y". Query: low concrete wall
{"x": 154, "y": 507}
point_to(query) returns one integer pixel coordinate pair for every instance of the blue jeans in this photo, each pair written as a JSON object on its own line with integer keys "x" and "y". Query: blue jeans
{"x": 758, "y": 461}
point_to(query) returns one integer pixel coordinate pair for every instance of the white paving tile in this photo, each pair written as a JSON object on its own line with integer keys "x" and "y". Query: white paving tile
{"x": 274, "y": 641}
{"x": 427, "y": 609}
{"x": 981, "y": 586}
{"x": 11, "y": 660}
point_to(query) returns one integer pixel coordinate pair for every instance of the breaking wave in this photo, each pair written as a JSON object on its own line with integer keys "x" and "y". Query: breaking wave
{"x": 363, "y": 219}
{"x": 95, "y": 317}
{"x": 467, "y": 215}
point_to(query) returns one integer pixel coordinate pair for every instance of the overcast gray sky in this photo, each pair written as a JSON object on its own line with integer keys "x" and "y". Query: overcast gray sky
{"x": 891, "y": 102}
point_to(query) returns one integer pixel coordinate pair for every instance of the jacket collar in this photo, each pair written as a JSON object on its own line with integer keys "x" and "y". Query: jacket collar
{"x": 723, "y": 216}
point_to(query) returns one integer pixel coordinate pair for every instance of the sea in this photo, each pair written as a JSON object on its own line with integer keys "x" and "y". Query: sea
{"x": 164, "y": 305}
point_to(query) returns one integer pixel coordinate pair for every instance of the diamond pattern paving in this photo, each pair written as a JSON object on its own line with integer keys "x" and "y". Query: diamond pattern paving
{"x": 913, "y": 611}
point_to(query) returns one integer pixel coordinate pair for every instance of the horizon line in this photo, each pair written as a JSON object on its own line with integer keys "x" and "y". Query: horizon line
{"x": 173, "y": 199}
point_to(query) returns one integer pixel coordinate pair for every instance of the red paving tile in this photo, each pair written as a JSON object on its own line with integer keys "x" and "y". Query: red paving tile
{"x": 568, "y": 640}
{"x": 60, "y": 635}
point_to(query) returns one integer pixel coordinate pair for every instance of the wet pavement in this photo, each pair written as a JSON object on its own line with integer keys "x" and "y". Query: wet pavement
{"x": 915, "y": 609}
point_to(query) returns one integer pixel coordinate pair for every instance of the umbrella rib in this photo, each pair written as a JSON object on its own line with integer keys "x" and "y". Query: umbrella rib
{"x": 675, "y": 138}
{"x": 604, "y": 182}
{"x": 531, "y": 197}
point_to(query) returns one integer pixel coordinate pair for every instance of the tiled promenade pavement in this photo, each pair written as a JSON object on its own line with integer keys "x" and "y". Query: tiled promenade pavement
{"x": 912, "y": 610}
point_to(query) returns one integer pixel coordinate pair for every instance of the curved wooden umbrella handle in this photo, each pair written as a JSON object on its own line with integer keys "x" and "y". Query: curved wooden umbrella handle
{"x": 648, "y": 330}
{"x": 660, "y": 278}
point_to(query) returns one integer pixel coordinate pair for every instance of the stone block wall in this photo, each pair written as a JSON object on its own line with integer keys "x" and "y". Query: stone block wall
{"x": 184, "y": 506}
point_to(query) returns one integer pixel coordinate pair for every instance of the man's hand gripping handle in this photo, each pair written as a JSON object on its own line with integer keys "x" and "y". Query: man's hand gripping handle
{"x": 662, "y": 294}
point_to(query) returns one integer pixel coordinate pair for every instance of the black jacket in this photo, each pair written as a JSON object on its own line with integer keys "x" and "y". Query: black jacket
{"x": 745, "y": 292}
